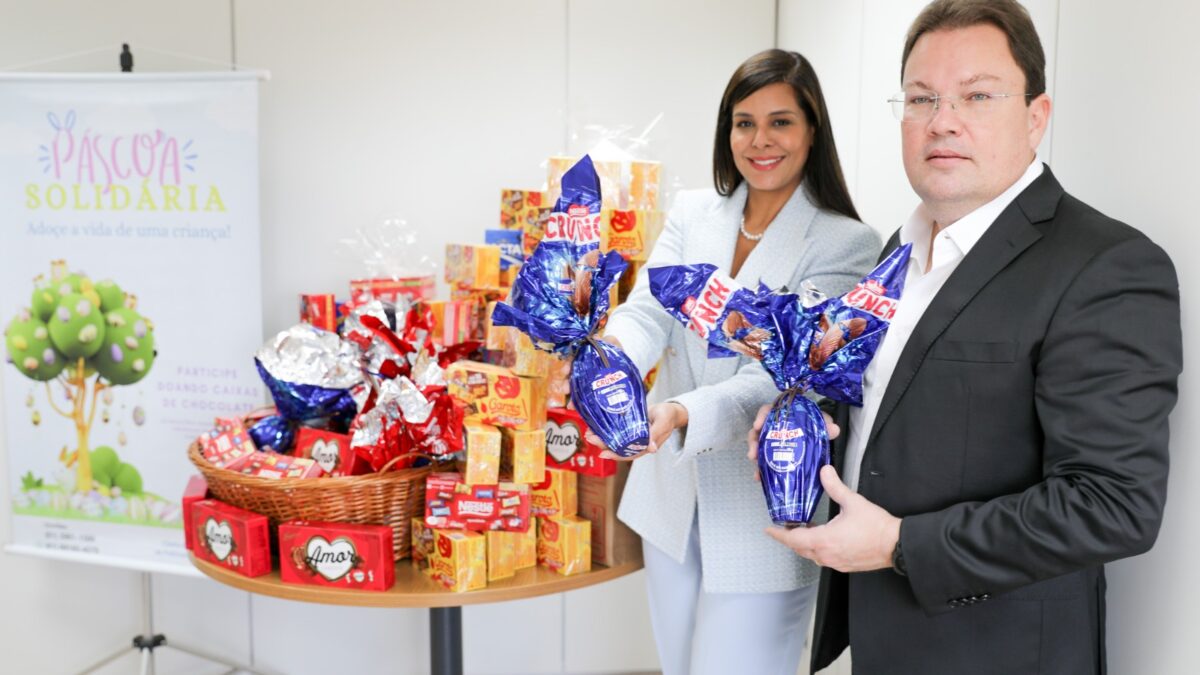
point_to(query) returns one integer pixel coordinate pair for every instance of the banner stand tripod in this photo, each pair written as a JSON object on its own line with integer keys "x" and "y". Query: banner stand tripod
{"x": 148, "y": 641}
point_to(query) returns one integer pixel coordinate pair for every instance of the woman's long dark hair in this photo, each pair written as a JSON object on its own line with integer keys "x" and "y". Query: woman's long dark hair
{"x": 822, "y": 171}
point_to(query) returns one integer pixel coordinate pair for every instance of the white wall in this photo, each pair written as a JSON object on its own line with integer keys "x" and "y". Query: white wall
{"x": 1124, "y": 139}
{"x": 1135, "y": 158}
{"x": 631, "y": 60}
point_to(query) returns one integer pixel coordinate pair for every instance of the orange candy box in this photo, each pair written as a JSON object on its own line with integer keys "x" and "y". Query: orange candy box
{"x": 557, "y": 496}
{"x": 496, "y": 395}
{"x": 459, "y": 560}
{"x": 564, "y": 544}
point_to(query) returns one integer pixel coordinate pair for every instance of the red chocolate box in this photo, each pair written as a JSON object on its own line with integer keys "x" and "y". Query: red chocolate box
{"x": 415, "y": 287}
{"x": 231, "y": 537}
{"x": 196, "y": 489}
{"x": 322, "y": 311}
{"x": 567, "y": 449}
{"x": 274, "y": 465}
{"x": 339, "y": 555}
{"x": 453, "y": 505}
{"x": 227, "y": 445}
{"x": 331, "y": 451}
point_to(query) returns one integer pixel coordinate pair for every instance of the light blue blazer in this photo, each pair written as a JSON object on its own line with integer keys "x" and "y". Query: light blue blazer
{"x": 704, "y": 471}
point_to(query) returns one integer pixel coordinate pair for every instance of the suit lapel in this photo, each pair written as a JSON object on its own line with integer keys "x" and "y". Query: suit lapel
{"x": 774, "y": 259}
{"x": 712, "y": 241}
{"x": 1004, "y": 240}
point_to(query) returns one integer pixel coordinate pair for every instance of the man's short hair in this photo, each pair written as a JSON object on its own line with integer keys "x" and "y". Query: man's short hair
{"x": 1008, "y": 15}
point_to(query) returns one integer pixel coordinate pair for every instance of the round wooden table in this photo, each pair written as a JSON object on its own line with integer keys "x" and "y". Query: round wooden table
{"x": 415, "y": 589}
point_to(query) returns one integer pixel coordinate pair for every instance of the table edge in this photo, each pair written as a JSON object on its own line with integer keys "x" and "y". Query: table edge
{"x": 497, "y": 591}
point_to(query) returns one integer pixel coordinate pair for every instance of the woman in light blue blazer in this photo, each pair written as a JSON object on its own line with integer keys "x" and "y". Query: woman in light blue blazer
{"x": 725, "y": 597}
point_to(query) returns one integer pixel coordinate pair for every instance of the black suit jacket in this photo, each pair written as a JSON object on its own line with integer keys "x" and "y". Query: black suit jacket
{"x": 1023, "y": 440}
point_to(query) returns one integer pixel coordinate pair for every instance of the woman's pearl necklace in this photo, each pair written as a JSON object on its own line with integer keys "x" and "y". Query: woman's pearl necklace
{"x": 751, "y": 237}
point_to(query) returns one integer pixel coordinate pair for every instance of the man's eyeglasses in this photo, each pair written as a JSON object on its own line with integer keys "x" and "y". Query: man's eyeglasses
{"x": 922, "y": 106}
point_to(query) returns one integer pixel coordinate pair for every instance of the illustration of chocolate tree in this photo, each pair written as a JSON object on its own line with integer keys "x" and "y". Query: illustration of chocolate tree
{"x": 82, "y": 338}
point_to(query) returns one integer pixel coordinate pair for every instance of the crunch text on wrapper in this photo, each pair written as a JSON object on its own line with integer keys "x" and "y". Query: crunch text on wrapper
{"x": 561, "y": 297}
{"x": 824, "y": 348}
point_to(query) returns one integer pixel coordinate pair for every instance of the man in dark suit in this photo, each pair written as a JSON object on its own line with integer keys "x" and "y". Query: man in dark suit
{"x": 1013, "y": 436}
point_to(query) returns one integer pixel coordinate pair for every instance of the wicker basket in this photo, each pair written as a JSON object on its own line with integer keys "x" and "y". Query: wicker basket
{"x": 390, "y": 498}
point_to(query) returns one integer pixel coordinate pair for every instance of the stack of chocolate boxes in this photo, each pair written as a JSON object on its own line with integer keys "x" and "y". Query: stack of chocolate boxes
{"x": 522, "y": 442}
{"x": 483, "y": 524}
{"x": 527, "y": 489}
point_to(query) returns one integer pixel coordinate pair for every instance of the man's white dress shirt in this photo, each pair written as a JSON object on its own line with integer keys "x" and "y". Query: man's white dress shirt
{"x": 950, "y": 246}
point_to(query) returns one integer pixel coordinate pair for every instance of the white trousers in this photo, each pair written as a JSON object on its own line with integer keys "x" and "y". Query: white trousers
{"x": 699, "y": 633}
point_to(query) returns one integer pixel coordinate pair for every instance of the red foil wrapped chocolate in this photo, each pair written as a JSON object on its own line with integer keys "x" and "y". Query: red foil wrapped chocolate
{"x": 410, "y": 412}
